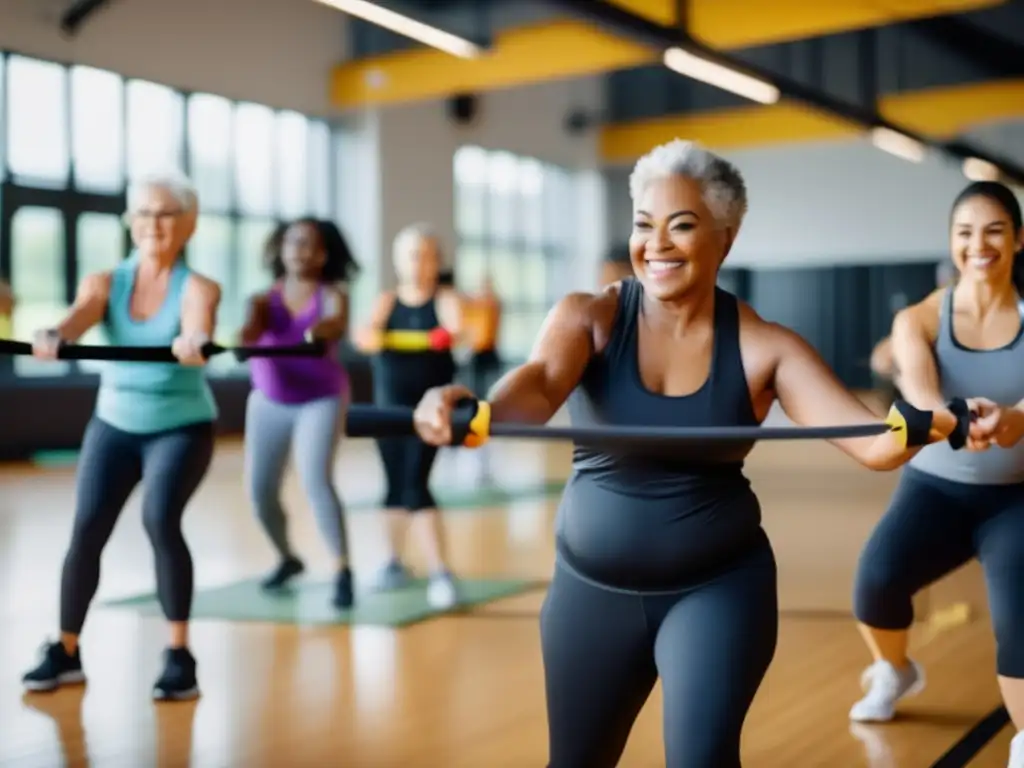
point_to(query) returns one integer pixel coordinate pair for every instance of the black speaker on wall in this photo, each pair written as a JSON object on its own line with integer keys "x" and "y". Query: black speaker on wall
{"x": 463, "y": 108}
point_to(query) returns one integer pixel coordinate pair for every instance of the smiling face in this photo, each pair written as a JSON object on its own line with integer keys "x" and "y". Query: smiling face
{"x": 160, "y": 227}
{"x": 676, "y": 245}
{"x": 983, "y": 240}
{"x": 302, "y": 252}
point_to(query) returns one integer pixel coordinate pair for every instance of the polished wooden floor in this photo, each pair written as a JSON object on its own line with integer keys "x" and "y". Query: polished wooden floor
{"x": 455, "y": 691}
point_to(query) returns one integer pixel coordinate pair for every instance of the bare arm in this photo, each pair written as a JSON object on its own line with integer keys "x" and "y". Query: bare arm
{"x": 256, "y": 319}
{"x": 881, "y": 357}
{"x": 449, "y": 310}
{"x": 199, "y": 307}
{"x": 368, "y": 338}
{"x": 913, "y": 338}
{"x": 7, "y": 301}
{"x": 533, "y": 392}
{"x": 333, "y": 324}
{"x": 88, "y": 309}
{"x": 812, "y": 396}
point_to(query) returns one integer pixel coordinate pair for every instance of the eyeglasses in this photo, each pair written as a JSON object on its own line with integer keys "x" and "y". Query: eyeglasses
{"x": 162, "y": 217}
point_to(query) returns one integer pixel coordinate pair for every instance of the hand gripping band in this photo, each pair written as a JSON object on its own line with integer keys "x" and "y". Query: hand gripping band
{"x": 912, "y": 427}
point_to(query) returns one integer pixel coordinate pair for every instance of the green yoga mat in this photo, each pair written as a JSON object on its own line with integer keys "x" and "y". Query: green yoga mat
{"x": 309, "y": 603}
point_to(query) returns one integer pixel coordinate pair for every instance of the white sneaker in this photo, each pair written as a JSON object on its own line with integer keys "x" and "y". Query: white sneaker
{"x": 1017, "y": 751}
{"x": 885, "y": 685}
{"x": 441, "y": 592}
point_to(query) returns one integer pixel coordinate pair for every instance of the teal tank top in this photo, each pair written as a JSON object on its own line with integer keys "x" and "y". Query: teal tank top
{"x": 144, "y": 398}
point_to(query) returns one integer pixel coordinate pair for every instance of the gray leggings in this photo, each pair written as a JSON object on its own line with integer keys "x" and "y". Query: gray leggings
{"x": 313, "y": 429}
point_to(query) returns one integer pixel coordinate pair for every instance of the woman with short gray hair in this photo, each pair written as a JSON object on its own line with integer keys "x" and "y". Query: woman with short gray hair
{"x": 153, "y": 423}
{"x": 662, "y": 567}
{"x": 421, "y": 304}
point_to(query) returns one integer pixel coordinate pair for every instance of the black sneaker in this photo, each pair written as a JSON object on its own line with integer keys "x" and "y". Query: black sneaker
{"x": 178, "y": 680}
{"x": 56, "y": 668}
{"x": 286, "y": 570}
{"x": 343, "y": 597}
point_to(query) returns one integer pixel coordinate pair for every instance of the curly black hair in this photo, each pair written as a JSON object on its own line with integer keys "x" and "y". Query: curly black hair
{"x": 340, "y": 265}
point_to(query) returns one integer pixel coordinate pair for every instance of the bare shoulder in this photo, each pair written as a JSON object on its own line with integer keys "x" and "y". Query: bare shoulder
{"x": 756, "y": 329}
{"x": 764, "y": 344}
{"x": 449, "y": 295}
{"x": 382, "y": 307}
{"x": 96, "y": 285}
{"x": 335, "y": 291}
{"x": 586, "y": 312}
{"x": 385, "y": 301}
{"x": 595, "y": 309}
{"x": 921, "y": 318}
{"x": 203, "y": 288}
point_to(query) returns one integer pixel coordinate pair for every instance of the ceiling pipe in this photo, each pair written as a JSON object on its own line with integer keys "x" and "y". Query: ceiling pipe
{"x": 883, "y": 132}
{"x": 75, "y": 15}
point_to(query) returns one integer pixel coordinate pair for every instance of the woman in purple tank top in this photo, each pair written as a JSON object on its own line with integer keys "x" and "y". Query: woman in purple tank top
{"x": 299, "y": 403}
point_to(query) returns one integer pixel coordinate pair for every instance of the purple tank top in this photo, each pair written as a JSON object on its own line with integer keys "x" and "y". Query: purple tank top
{"x": 298, "y": 379}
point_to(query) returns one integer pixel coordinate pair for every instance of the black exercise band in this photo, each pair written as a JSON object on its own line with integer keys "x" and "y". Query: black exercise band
{"x": 958, "y": 437}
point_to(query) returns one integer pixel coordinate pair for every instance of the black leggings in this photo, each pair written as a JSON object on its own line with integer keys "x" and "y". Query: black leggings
{"x": 603, "y": 651}
{"x": 934, "y": 526}
{"x": 408, "y": 462}
{"x": 170, "y": 466}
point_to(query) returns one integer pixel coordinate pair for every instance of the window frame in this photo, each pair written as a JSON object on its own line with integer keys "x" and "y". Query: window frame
{"x": 552, "y": 245}
{"x": 72, "y": 200}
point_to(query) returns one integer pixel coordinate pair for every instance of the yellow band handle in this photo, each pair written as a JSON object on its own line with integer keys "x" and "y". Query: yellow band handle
{"x": 417, "y": 341}
{"x": 479, "y": 426}
{"x": 911, "y": 426}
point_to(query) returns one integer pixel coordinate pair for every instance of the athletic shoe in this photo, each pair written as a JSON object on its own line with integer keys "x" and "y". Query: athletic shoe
{"x": 886, "y": 685}
{"x": 56, "y": 668}
{"x": 286, "y": 570}
{"x": 178, "y": 680}
{"x": 343, "y": 597}
{"x": 441, "y": 591}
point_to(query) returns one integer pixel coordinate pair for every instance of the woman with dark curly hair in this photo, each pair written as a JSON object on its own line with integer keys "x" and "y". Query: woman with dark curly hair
{"x": 299, "y": 402}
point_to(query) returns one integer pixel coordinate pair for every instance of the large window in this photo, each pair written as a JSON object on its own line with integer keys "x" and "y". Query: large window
{"x": 37, "y": 265}
{"x": 71, "y": 139}
{"x": 37, "y": 137}
{"x": 513, "y": 216}
{"x": 97, "y": 137}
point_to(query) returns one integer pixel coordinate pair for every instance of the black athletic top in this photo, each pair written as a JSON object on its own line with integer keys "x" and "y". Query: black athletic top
{"x": 659, "y": 518}
{"x": 401, "y": 378}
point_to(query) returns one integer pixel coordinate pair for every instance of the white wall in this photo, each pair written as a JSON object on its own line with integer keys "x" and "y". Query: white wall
{"x": 830, "y": 203}
{"x": 275, "y": 52}
{"x": 417, "y": 144}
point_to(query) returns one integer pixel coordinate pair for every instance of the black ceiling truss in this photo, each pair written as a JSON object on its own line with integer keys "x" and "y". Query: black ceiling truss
{"x": 622, "y": 22}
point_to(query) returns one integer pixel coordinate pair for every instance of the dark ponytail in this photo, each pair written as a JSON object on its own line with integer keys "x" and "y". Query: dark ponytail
{"x": 1004, "y": 196}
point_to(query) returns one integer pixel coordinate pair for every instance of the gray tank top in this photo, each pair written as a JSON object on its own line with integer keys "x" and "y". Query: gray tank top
{"x": 997, "y": 374}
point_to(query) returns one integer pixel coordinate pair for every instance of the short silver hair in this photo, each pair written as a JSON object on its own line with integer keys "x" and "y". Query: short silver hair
{"x": 176, "y": 184}
{"x": 412, "y": 234}
{"x": 724, "y": 190}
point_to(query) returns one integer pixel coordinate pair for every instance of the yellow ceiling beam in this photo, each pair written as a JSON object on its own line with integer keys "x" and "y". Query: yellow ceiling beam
{"x": 550, "y": 51}
{"x": 567, "y": 48}
{"x": 744, "y": 23}
{"x": 943, "y": 113}
{"x": 723, "y": 130}
{"x": 952, "y": 110}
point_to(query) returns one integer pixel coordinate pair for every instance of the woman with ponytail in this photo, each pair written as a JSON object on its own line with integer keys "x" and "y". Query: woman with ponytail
{"x": 964, "y": 341}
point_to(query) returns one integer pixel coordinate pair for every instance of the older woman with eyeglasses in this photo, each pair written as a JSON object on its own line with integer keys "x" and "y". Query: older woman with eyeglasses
{"x": 153, "y": 423}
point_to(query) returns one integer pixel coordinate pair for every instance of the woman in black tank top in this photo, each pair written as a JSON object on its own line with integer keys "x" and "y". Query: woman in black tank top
{"x": 662, "y": 568}
{"x": 401, "y": 378}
